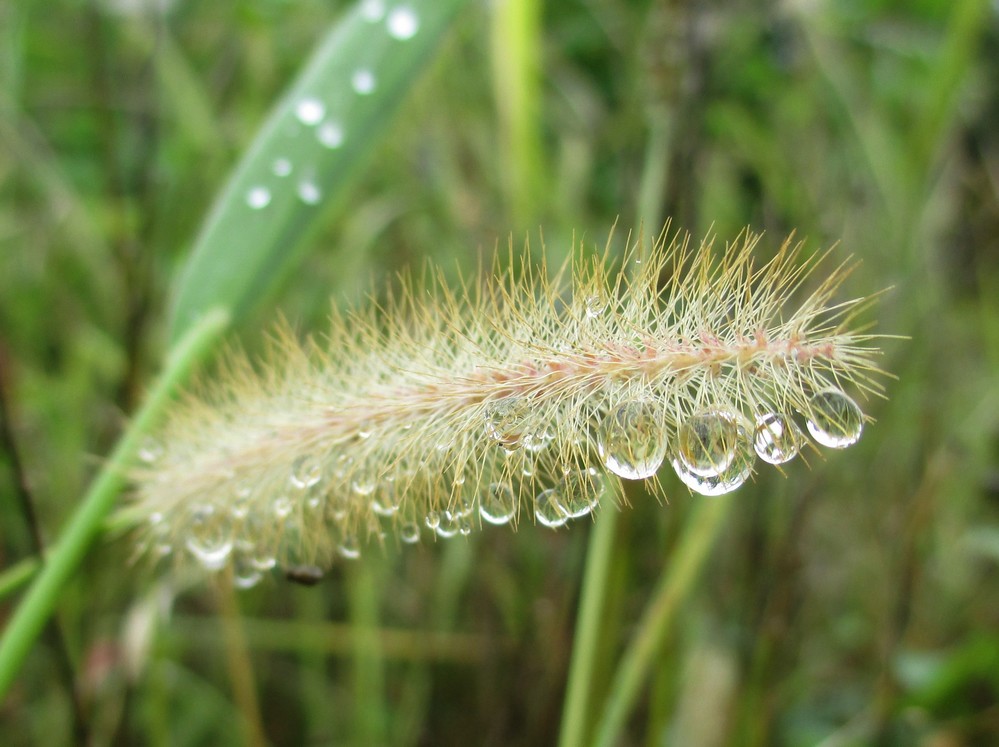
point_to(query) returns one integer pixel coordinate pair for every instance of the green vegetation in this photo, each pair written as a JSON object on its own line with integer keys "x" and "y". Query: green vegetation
{"x": 848, "y": 601}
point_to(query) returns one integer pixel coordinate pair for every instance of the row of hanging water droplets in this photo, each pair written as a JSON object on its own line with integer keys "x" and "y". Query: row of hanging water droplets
{"x": 712, "y": 451}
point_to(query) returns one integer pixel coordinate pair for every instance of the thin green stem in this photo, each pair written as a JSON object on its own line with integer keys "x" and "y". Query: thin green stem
{"x": 62, "y": 561}
{"x": 575, "y": 716}
{"x": 686, "y": 563}
{"x": 18, "y": 575}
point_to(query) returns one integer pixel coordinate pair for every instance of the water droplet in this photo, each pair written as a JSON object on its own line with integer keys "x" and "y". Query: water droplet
{"x": 631, "y": 440}
{"x": 579, "y": 492}
{"x": 310, "y": 111}
{"x": 505, "y": 421}
{"x": 263, "y": 562}
{"x": 498, "y": 504}
{"x": 777, "y": 438}
{"x": 729, "y": 477}
{"x": 245, "y": 574}
{"x": 258, "y": 197}
{"x": 209, "y": 540}
{"x": 150, "y": 450}
{"x": 706, "y": 443}
{"x": 308, "y": 192}
{"x": 363, "y": 81}
{"x": 330, "y": 134}
{"x": 834, "y": 419}
{"x": 595, "y": 306}
{"x": 432, "y": 520}
{"x": 537, "y": 440}
{"x": 282, "y": 507}
{"x": 403, "y": 23}
{"x": 385, "y": 502}
{"x": 410, "y": 532}
{"x": 243, "y": 489}
{"x": 305, "y": 471}
{"x": 364, "y": 482}
{"x": 373, "y": 10}
{"x": 281, "y": 167}
{"x": 448, "y": 526}
{"x": 547, "y": 511}
{"x": 349, "y": 548}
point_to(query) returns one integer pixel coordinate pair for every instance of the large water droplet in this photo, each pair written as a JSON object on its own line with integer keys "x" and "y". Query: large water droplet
{"x": 505, "y": 421}
{"x": 777, "y": 438}
{"x": 306, "y": 471}
{"x": 402, "y": 23}
{"x": 631, "y": 440}
{"x": 310, "y": 111}
{"x": 706, "y": 442}
{"x": 330, "y": 134}
{"x": 363, "y": 81}
{"x": 258, "y": 197}
{"x": 834, "y": 420}
{"x": 579, "y": 492}
{"x": 547, "y": 511}
{"x": 497, "y": 504}
{"x": 732, "y": 475}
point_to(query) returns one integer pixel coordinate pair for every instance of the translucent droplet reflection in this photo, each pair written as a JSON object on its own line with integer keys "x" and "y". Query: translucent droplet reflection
{"x": 834, "y": 420}
{"x": 631, "y": 440}
{"x": 706, "y": 442}
{"x": 497, "y": 504}
{"x": 547, "y": 511}
{"x": 777, "y": 438}
{"x": 579, "y": 492}
{"x": 732, "y": 475}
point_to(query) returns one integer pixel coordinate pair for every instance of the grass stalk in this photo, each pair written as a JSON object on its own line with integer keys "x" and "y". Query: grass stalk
{"x": 65, "y": 557}
{"x": 575, "y": 716}
{"x": 686, "y": 563}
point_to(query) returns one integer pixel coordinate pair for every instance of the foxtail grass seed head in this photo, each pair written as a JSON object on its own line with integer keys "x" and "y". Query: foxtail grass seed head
{"x": 524, "y": 398}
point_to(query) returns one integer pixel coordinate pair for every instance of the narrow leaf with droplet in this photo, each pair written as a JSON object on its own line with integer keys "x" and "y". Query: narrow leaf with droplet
{"x": 331, "y": 118}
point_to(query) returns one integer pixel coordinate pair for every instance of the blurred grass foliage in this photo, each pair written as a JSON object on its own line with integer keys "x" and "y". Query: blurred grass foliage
{"x": 852, "y": 603}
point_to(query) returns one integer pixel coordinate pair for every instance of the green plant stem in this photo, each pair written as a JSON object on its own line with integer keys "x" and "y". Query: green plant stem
{"x": 675, "y": 584}
{"x": 65, "y": 556}
{"x": 18, "y": 575}
{"x": 575, "y": 716}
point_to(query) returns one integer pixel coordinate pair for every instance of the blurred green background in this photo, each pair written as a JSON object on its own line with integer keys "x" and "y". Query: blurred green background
{"x": 854, "y": 602}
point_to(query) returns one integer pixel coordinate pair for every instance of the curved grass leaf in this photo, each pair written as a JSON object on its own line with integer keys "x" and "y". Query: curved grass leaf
{"x": 315, "y": 139}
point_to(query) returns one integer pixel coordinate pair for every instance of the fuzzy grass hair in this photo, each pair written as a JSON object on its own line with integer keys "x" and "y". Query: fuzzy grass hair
{"x": 526, "y": 397}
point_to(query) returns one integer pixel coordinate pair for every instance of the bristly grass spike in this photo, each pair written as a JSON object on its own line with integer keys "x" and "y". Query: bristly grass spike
{"x": 511, "y": 400}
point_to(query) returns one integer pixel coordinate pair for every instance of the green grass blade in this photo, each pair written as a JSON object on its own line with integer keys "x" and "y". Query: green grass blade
{"x": 314, "y": 141}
